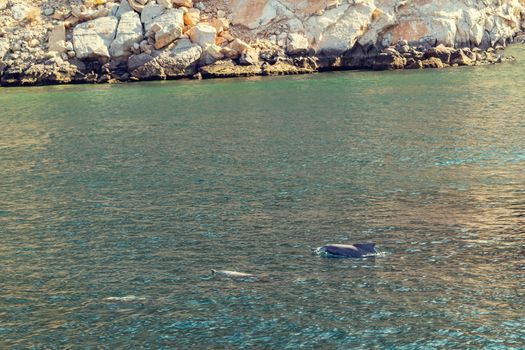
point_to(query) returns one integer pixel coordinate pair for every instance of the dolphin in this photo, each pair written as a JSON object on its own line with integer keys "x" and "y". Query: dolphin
{"x": 233, "y": 274}
{"x": 125, "y": 298}
{"x": 357, "y": 250}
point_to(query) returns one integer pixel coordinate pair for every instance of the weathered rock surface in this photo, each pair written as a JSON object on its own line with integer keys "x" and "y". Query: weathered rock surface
{"x": 339, "y": 25}
{"x": 203, "y": 34}
{"x": 4, "y": 47}
{"x": 57, "y": 39}
{"x": 228, "y": 69}
{"x": 179, "y": 62}
{"x": 129, "y": 32}
{"x": 92, "y": 39}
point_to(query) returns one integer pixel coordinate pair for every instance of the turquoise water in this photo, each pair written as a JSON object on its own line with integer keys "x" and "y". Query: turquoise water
{"x": 139, "y": 190}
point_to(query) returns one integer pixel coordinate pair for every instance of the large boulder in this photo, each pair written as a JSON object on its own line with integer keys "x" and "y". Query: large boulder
{"x": 123, "y": 8}
{"x": 460, "y": 58}
{"x": 297, "y": 44}
{"x": 441, "y": 51}
{"x": 129, "y": 32}
{"x": 181, "y": 61}
{"x": 211, "y": 54}
{"x": 203, "y": 34}
{"x": 388, "y": 60}
{"x": 151, "y": 11}
{"x": 167, "y": 24}
{"x": 57, "y": 39}
{"x": 92, "y": 39}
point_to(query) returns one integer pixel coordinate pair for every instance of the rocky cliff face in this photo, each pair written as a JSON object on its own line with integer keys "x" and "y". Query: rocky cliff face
{"x": 340, "y": 24}
{"x": 44, "y": 41}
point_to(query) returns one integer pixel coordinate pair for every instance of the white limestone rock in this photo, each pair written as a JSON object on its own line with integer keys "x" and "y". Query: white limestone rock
{"x": 167, "y": 26}
{"x": 123, "y": 8}
{"x": 203, "y": 34}
{"x": 297, "y": 44}
{"x": 4, "y": 47}
{"x": 92, "y": 39}
{"x": 57, "y": 39}
{"x": 129, "y": 32}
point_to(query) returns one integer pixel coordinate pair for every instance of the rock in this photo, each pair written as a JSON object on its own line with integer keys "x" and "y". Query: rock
{"x": 441, "y": 51}
{"x": 458, "y": 57}
{"x": 138, "y": 5}
{"x": 285, "y": 68}
{"x": 3, "y": 5}
{"x": 211, "y": 54}
{"x": 4, "y": 48}
{"x": 184, "y": 3}
{"x": 145, "y": 67}
{"x": 297, "y": 44}
{"x": 192, "y": 17}
{"x": 129, "y": 32}
{"x": 200, "y": 6}
{"x": 20, "y": 11}
{"x": 220, "y": 24}
{"x": 227, "y": 69}
{"x": 48, "y": 11}
{"x": 179, "y": 62}
{"x": 57, "y": 38}
{"x": 149, "y": 12}
{"x": 413, "y": 64}
{"x": 239, "y": 46}
{"x": 123, "y": 8}
{"x": 202, "y": 34}
{"x": 249, "y": 57}
{"x": 182, "y": 60}
{"x": 165, "y": 3}
{"x": 92, "y": 39}
{"x": 168, "y": 25}
{"x": 385, "y": 61}
{"x": 432, "y": 62}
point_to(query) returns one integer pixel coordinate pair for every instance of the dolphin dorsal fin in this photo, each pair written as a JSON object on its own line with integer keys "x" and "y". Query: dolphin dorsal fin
{"x": 213, "y": 271}
{"x": 367, "y": 247}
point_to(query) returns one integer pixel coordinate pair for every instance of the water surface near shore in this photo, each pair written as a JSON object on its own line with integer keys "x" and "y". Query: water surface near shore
{"x": 141, "y": 189}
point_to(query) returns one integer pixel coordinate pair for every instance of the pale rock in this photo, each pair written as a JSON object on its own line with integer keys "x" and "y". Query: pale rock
{"x": 149, "y": 12}
{"x": 192, "y": 17}
{"x": 165, "y": 3}
{"x": 92, "y": 39}
{"x": 220, "y": 24}
{"x": 338, "y": 25}
{"x": 211, "y": 54}
{"x": 202, "y": 34}
{"x": 123, "y": 8}
{"x": 138, "y": 5}
{"x": 169, "y": 27}
{"x": 48, "y": 11}
{"x": 200, "y": 6}
{"x": 3, "y": 4}
{"x": 239, "y": 46}
{"x": 129, "y": 32}
{"x": 19, "y": 11}
{"x": 57, "y": 38}
{"x": 183, "y": 3}
{"x": 4, "y": 48}
{"x": 297, "y": 44}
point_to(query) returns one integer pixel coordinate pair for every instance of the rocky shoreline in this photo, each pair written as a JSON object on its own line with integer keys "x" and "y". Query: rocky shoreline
{"x": 111, "y": 42}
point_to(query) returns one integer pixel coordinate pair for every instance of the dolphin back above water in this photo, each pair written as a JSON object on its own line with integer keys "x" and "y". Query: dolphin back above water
{"x": 232, "y": 274}
{"x": 358, "y": 250}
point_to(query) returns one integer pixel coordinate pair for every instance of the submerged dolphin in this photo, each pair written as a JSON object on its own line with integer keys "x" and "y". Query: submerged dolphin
{"x": 232, "y": 274}
{"x": 358, "y": 250}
